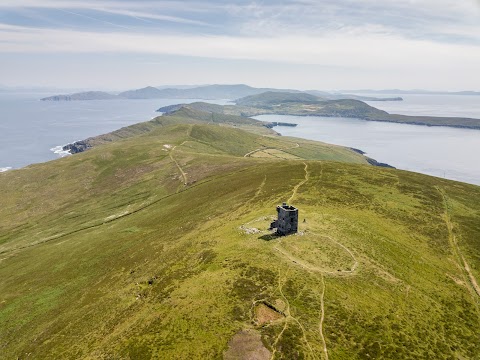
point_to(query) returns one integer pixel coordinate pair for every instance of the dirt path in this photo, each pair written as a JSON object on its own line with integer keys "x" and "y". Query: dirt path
{"x": 288, "y": 317}
{"x": 184, "y": 174}
{"x": 322, "y": 318}
{"x": 253, "y": 151}
{"x": 307, "y": 266}
{"x": 287, "y": 314}
{"x": 13, "y": 251}
{"x": 314, "y": 269}
{"x": 459, "y": 258}
{"x": 322, "y": 306}
{"x": 295, "y": 189}
{"x": 259, "y": 190}
{"x": 471, "y": 276}
{"x": 355, "y": 261}
{"x": 267, "y": 147}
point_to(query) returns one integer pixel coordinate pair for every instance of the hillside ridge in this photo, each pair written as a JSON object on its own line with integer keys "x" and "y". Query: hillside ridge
{"x": 155, "y": 243}
{"x": 142, "y": 252}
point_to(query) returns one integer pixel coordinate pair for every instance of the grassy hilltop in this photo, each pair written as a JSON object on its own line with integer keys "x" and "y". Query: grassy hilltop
{"x": 153, "y": 244}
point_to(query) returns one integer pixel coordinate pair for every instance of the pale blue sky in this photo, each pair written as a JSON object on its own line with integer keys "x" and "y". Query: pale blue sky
{"x": 305, "y": 44}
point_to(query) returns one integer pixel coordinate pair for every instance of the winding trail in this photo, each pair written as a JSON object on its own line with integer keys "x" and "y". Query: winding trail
{"x": 289, "y": 316}
{"x": 313, "y": 269}
{"x": 287, "y": 313}
{"x": 295, "y": 189}
{"x": 459, "y": 258}
{"x": 307, "y": 266}
{"x": 472, "y": 278}
{"x": 254, "y": 151}
{"x": 322, "y": 318}
{"x": 259, "y": 190}
{"x": 297, "y": 145}
{"x": 184, "y": 174}
{"x": 322, "y": 272}
{"x": 11, "y": 251}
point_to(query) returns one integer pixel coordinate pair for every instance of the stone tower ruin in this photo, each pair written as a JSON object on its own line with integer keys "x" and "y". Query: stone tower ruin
{"x": 287, "y": 221}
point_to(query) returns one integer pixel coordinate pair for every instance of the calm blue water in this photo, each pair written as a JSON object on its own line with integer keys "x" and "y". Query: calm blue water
{"x": 439, "y": 151}
{"x": 431, "y": 105}
{"x": 30, "y": 130}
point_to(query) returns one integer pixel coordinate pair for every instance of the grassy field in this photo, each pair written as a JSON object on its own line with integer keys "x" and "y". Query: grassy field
{"x": 155, "y": 245}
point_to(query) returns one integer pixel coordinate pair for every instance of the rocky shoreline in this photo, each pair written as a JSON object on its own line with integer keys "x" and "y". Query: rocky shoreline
{"x": 77, "y": 147}
{"x": 372, "y": 161}
{"x": 275, "y": 123}
{"x": 380, "y": 164}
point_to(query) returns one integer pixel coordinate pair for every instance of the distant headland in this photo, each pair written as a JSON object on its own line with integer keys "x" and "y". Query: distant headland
{"x": 207, "y": 92}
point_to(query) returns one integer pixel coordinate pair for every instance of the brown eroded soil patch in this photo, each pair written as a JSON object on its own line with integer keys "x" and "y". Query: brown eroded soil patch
{"x": 246, "y": 345}
{"x": 265, "y": 314}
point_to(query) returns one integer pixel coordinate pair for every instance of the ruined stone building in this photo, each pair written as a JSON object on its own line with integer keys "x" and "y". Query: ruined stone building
{"x": 287, "y": 221}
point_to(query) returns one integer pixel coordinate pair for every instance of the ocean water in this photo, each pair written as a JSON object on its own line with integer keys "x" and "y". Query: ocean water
{"x": 439, "y": 151}
{"x": 33, "y": 131}
{"x": 430, "y": 105}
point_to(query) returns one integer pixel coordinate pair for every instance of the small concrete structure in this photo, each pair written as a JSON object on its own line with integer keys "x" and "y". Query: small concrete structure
{"x": 287, "y": 221}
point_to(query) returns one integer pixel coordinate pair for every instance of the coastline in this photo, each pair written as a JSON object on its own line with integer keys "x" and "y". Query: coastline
{"x": 60, "y": 150}
{"x": 414, "y": 123}
{"x": 416, "y": 149}
{"x": 66, "y": 150}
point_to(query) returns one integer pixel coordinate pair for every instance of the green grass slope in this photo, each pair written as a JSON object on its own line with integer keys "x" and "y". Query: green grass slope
{"x": 272, "y": 98}
{"x": 155, "y": 246}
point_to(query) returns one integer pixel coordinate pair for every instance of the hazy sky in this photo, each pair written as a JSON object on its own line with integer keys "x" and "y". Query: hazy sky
{"x": 304, "y": 44}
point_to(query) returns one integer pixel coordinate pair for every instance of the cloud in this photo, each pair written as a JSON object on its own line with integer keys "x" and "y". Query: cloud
{"x": 447, "y": 21}
{"x": 371, "y": 51}
{"x": 139, "y": 10}
{"x": 390, "y": 38}
{"x": 151, "y": 16}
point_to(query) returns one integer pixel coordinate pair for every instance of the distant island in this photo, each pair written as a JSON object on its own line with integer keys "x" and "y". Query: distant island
{"x": 250, "y": 101}
{"x": 303, "y": 104}
{"x": 413, "y": 92}
{"x": 207, "y": 92}
{"x": 88, "y": 95}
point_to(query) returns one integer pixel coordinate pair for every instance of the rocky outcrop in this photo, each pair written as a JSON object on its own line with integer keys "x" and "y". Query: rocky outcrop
{"x": 376, "y": 163}
{"x": 384, "y": 99}
{"x": 77, "y": 147}
{"x": 274, "y": 123}
{"x": 361, "y": 152}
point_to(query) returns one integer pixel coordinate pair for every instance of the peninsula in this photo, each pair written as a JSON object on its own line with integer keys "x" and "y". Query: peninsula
{"x": 302, "y": 104}
{"x": 155, "y": 243}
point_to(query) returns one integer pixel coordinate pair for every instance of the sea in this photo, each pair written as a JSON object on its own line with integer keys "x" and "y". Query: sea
{"x": 445, "y": 152}
{"x": 33, "y": 131}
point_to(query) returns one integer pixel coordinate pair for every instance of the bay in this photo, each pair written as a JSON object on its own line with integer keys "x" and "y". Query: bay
{"x": 31, "y": 130}
{"x": 439, "y": 151}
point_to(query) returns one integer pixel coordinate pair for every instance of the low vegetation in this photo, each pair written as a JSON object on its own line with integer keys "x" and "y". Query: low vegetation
{"x": 137, "y": 249}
